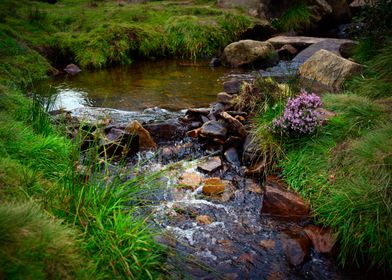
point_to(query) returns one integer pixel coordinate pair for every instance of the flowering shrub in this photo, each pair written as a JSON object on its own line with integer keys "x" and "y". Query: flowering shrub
{"x": 300, "y": 116}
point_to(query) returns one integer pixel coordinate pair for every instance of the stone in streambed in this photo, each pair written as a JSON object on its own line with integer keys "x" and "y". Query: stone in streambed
{"x": 213, "y": 129}
{"x": 190, "y": 180}
{"x": 323, "y": 239}
{"x": 296, "y": 247}
{"x": 250, "y": 52}
{"x": 232, "y": 87}
{"x": 211, "y": 165}
{"x": 213, "y": 186}
{"x": 231, "y": 155}
{"x": 194, "y": 133}
{"x": 145, "y": 140}
{"x": 280, "y": 203}
{"x": 204, "y": 219}
{"x": 72, "y": 69}
{"x": 225, "y": 98}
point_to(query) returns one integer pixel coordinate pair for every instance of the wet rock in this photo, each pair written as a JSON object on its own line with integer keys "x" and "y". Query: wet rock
{"x": 251, "y": 151}
{"x": 194, "y": 133}
{"x": 225, "y": 98}
{"x": 204, "y": 119}
{"x": 145, "y": 140}
{"x": 204, "y": 219}
{"x": 232, "y": 87}
{"x": 166, "y": 131}
{"x": 250, "y": 52}
{"x": 267, "y": 243}
{"x": 296, "y": 248}
{"x": 287, "y": 52}
{"x": 323, "y": 239}
{"x": 213, "y": 186}
{"x": 195, "y": 124}
{"x": 214, "y": 129}
{"x": 196, "y": 114}
{"x": 217, "y": 108}
{"x": 232, "y": 157}
{"x": 215, "y": 62}
{"x": 233, "y": 142}
{"x": 252, "y": 186}
{"x": 328, "y": 70}
{"x": 190, "y": 180}
{"x": 332, "y": 45}
{"x": 72, "y": 69}
{"x": 235, "y": 126}
{"x": 211, "y": 165}
{"x": 281, "y": 203}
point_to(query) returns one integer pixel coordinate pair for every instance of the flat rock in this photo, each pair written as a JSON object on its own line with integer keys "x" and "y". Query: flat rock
{"x": 323, "y": 239}
{"x": 332, "y": 45}
{"x": 211, "y": 165}
{"x": 190, "y": 180}
{"x": 295, "y": 41}
{"x": 280, "y": 203}
{"x": 204, "y": 219}
{"x": 166, "y": 131}
{"x": 213, "y": 129}
{"x": 213, "y": 186}
{"x": 327, "y": 71}
{"x": 250, "y": 52}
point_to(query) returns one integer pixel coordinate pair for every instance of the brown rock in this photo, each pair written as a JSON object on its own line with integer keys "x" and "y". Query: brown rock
{"x": 204, "y": 219}
{"x": 235, "y": 125}
{"x": 328, "y": 70}
{"x": 166, "y": 131}
{"x": 145, "y": 140}
{"x": 211, "y": 165}
{"x": 190, "y": 180}
{"x": 252, "y": 186}
{"x": 225, "y": 98}
{"x": 267, "y": 243}
{"x": 213, "y": 186}
{"x": 296, "y": 248}
{"x": 194, "y": 133}
{"x": 323, "y": 239}
{"x": 214, "y": 129}
{"x": 250, "y": 52}
{"x": 287, "y": 52}
{"x": 279, "y": 202}
{"x": 232, "y": 87}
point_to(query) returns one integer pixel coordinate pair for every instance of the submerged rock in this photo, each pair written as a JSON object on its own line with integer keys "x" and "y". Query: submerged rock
{"x": 72, "y": 69}
{"x": 250, "y": 52}
{"x": 213, "y": 186}
{"x": 326, "y": 70}
{"x": 281, "y": 203}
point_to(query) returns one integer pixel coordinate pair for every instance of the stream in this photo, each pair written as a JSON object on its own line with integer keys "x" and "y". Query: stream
{"x": 213, "y": 237}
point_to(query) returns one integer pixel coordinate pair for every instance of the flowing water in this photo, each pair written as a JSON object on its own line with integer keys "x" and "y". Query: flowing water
{"x": 238, "y": 243}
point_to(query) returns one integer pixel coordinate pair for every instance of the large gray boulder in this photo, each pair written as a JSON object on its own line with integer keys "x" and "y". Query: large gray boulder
{"x": 327, "y": 71}
{"x": 250, "y": 52}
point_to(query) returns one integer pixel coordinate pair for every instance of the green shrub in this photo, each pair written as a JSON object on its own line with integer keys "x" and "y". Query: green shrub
{"x": 296, "y": 18}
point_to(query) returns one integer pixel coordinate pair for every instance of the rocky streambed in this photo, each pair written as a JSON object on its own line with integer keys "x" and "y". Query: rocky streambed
{"x": 222, "y": 218}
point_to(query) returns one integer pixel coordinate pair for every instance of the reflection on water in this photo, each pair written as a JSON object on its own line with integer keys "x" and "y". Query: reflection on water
{"x": 171, "y": 85}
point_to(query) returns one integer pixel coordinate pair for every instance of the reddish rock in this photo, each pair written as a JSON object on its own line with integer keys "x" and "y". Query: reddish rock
{"x": 287, "y": 52}
{"x": 213, "y": 186}
{"x": 281, "y": 203}
{"x": 145, "y": 140}
{"x": 194, "y": 133}
{"x": 235, "y": 125}
{"x": 296, "y": 248}
{"x": 323, "y": 239}
{"x": 214, "y": 129}
{"x": 190, "y": 180}
{"x": 267, "y": 243}
{"x": 211, "y": 165}
{"x": 204, "y": 219}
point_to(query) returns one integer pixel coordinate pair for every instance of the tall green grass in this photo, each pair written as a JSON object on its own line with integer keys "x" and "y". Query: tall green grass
{"x": 296, "y": 18}
{"x": 98, "y": 205}
{"x": 345, "y": 172}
